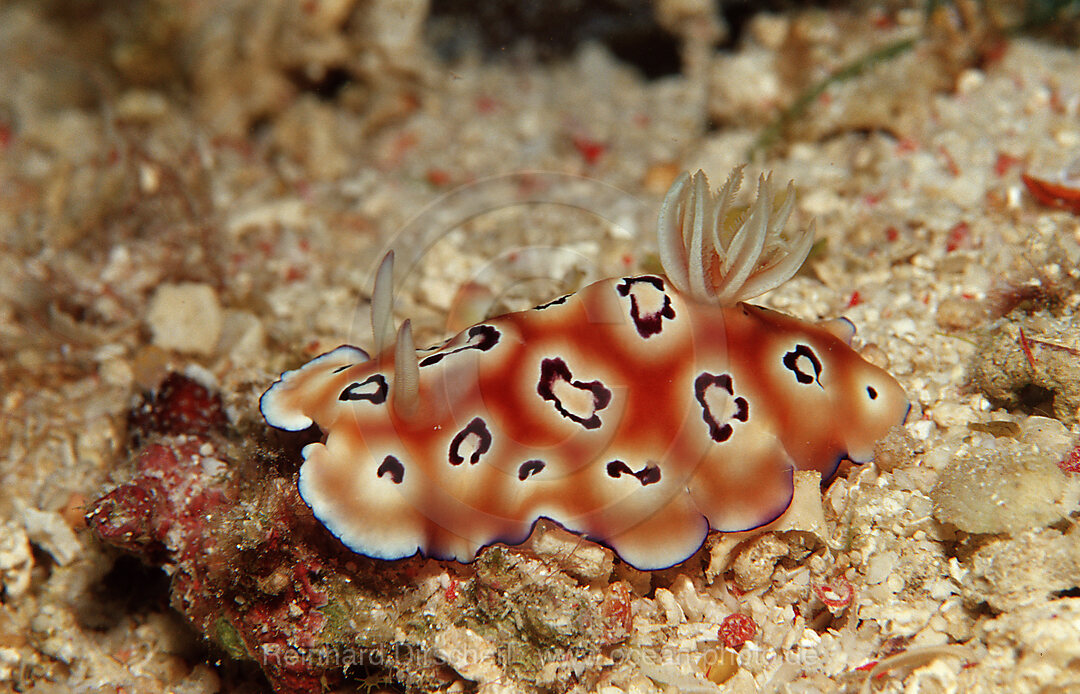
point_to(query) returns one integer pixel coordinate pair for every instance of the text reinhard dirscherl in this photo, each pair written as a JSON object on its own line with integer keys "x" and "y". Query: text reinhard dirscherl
{"x": 414, "y": 657}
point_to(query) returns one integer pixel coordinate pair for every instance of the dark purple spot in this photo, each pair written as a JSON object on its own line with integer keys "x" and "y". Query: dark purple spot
{"x": 481, "y": 337}
{"x": 561, "y": 300}
{"x": 648, "y": 324}
{"x": 393, "y": 467}
{"x": 791, "y": 362}
{"x": 530, "y": 468}
{"x": 556, "y": 369}
{"x": 477, "y": 428}
{"x": 719, "y": 431}
{"x": 376, "y": 396}
{"x": 342, "y": 368}
{"x": 650, "y": 474}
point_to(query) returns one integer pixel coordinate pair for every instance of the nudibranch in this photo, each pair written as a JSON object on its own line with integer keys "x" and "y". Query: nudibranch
{"x": 640, "y": 412}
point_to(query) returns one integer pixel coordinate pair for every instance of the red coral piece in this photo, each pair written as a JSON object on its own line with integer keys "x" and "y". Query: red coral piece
{"x": 157, "y": 461}
{"x": 590, "y": 150}
{"x": 172, "y": 511}
{"x": 906, "y": 145}
{"x": 950, "y": 163}
{"x": 438, "y": 177}
{"x": 1071, "y": 463}
{"x": 1026, "y": 347}
{"x": 181, "y": 405}
{"x": 1004, "y": 162}
{"x": 123, "y": 517}
{"x": 958, "y": 237}
{"x": 486, "y": 104}
{"x": 737, "y": 629}
{"x": 1053, "y": 194}
{"x": 165, "y": 494}
{"x": 837, "y": 594}
{"x": 302, "y": 573}
{"x": 617, "y": 613}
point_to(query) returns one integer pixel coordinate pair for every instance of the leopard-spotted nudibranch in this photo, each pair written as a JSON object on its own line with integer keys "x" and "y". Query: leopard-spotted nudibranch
{"x": 640, "y": 412}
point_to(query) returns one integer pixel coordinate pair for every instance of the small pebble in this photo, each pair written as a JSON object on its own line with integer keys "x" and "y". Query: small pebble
{"x": 49, "y": 530}
{"x": 185, "y": 317}
{"x": 1001, "y": 491}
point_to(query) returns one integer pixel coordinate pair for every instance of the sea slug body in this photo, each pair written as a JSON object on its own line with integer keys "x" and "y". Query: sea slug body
{"x": 639, "y": 411}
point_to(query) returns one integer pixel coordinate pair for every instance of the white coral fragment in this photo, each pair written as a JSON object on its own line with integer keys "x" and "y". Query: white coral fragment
{"x": 719, "y": 255}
